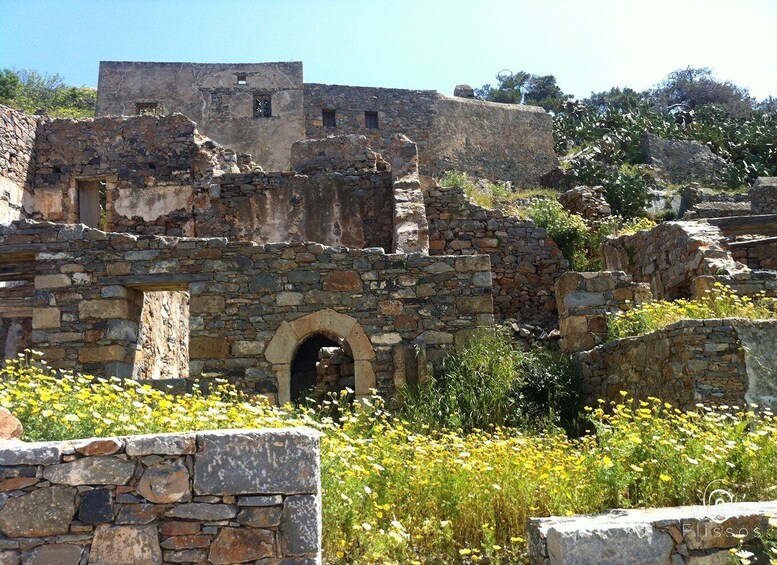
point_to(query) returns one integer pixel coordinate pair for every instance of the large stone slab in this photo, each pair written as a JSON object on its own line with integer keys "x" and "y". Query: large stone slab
{"x": 240, "y": 545}
{"x": 257, "y": 462}
{"x": 104, "y": 470}
{"x": 42, "y": 512}
{"x": 608, "y": 544}
{"x": 301, "y": 525}
{"x": 203, "y": 511}
{"x": 59, "y": 554}
{"x": 160, "y": 444}
{"x": 14, "y": 452}
{"x": 125, "y": 545}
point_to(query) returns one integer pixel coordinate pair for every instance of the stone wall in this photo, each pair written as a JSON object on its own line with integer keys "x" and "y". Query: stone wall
{"x": 484, "y": 139}
{"x": 250, "y": 305}
{"x": 525, "y": 261}
{"x": 163, "y": 337}
{"x": 669, "y": 256}
{"x": 220, "y": 497}
{"x": 212, "y": 95}
{"x": 696, "y": 535}
{"x": 763, "y": 196}
{"x": 17, "y": 160}
{"x": 726, "y": 361}
{"x": 745, "y": 283}
{"x": 679, "y": 161}
{"x": 584, "y": 301}
{"x": 756, "y": 253}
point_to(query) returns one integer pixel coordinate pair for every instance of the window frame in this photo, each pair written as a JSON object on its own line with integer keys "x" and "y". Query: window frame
{"x": 259, "y": 109}
{"x": 325, "y": 114}
{"x": 371, "y": 120}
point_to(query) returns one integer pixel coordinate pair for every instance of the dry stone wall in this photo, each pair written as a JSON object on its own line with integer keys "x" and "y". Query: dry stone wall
{"x": 585, "y": 300}
{"x": 89, "y": 287}
{"x": 700, "y": 535}
{"x": 756, "y": 253}
{"x": 763, "y": 196}
{"x": 670, "y": 256}
{"x": 525, "y": 261}
{"x": 220, "y": 497}
{"x": 725, "y": 361}
{"x": 17, "y": 162}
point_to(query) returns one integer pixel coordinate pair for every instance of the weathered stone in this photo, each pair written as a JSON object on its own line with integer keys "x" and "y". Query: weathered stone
{"x": 42, "y": 512}
{"x": 139, "y": 514}
{"x": 185, "y": 556}
{"x": 260, "y": 517}
{"x": 344, "y": 281}
{"x": 239, "y": 545}
{"x": 39, "y": 453}
{"x": 96, "y": 506}
{"x": 179, "y": 528}
{"x": 272, "y": 500}
{"x": 301, "y": 525}
{"x": 9, "y": 557}
{"x": 56, "y": 554}
{"x": 125, "y": 545}
{"x": 161, "y": 444}
{"x": 224, "y": 462}
{"x": 165, "y": 483}
{"x": 16, "y": 483}
{"x": 576, "y": 544}
{"x": 102, "y": 470}
{"x": 186, "y": 542}
{"x": 202, "y": 511}
{"x": 208, "y": 348}
{"x": 98, "y": 446}
{"x": 10, "y": 426}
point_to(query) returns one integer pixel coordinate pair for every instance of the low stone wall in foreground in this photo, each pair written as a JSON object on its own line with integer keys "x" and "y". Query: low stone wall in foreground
{"x": 220, "y": 497}
{"x": 692, "y": 535}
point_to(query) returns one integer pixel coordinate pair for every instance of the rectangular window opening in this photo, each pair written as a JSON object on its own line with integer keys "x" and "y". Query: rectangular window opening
{"x": 242, "y": 79}
{"x": 262, "y": 106}
{"x": 147, "y": 109}
{"x": 329, "y": 117}
{"x": 371, "y": 120}
{"x": 92, "y": 199}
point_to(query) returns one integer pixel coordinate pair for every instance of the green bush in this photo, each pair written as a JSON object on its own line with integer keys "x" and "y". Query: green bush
{"x": 569, "y": 231}
{"x": 484, "y": 197}
{"x": 492, "y": 382}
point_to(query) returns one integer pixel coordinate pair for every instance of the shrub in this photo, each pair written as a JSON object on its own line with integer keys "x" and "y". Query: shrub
{"x": 481, "y": 195}
{"x": 569, "y": 231}
{"x": 492, "y": 382}
{"x": 720, "y": 302}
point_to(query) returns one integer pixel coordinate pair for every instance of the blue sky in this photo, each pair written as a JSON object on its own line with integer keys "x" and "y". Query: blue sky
{"x": 435, "y": 44}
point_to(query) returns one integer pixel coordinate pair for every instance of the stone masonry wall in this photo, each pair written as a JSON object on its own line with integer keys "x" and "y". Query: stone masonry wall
{"x": 757, "y": 253}
{"x": 763, "y": 196}
{"x": 685, "y": 363}
{"x": 745, "y": 283}
{"x": 670, "y": 256}
{"x": 89, "y": 297}
{"x": 220, "y": 497}
{"x": 699, "y": 535}
{"x": 585, "y": 300}
{"x": 17, "y": 161}
{"x": 484, "y": 139}
{"x": 525, "y": 261}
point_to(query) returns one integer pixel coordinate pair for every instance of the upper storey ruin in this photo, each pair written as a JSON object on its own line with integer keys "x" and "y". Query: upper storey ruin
{"x": 261, "y": 109}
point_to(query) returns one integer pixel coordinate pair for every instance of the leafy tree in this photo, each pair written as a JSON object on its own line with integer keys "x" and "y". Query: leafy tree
{"x": 33, "y": 92}
{"x": 692, "y": 88}
{"x": 525, "y": 88}
{"x": 624, "y": 99}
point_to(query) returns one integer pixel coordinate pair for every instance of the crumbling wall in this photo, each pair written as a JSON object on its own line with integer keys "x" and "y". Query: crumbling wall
{"x": 685, "y": 363}
{"x": 669, "y": 256}
{"x": 17, "y": 161}
{"x": 146, "y": 163}
{"x": 763, "y": 196}
{"x": 243, "y": 296}
{"x": 499, "y": 141}
{"x": 756, "y": 253}
{"x": 212, "y": 96}
{"x": 585, "y": 300}
{"x": 525, "y": 261}
{"x": 163, "y": 337}
{"x": 221, "y": 497}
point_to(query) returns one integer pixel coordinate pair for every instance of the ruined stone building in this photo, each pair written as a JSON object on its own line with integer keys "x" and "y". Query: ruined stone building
{"x": 145, "y": 243}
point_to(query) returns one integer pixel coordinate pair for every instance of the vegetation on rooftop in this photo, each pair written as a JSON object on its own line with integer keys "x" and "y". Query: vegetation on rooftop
{"x": 33, "y": 93}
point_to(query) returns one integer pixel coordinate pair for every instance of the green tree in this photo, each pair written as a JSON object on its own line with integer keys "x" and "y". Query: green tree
{"x": 623, "y": 99}
{"x": 33, "y": 92}
{"x": 9, "y": 85}
{"x": 524, "y": 88}
{"x": 692, "y": 88}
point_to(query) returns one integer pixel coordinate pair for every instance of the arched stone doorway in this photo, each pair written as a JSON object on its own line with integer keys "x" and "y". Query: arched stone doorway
{"x": 281, "y": 350}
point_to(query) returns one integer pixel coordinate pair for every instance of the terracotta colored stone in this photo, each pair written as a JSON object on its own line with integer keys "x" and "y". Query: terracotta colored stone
{"x": 179, "y": 528}
{"x": 99, "y": 446}
{"x": 238, "y": 545}
{"x": 17, "y": 483}
{"x": 344, "y": 281}
{"x": 186, "y": 542}
{"x": 125, "y": 545}
{"x": 165, "y": 483}
{"x": 10, "y": 426}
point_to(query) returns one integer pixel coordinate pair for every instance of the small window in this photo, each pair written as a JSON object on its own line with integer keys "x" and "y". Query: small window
{"x": 371, "y": 120}
{"x": 329, "y": 117}
{"x": 147, "y": 109}
{"x": 262, "y": 107}
{"x": 242, "y": 79}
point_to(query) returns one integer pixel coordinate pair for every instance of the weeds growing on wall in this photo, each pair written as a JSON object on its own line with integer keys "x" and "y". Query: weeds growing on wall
{"x": 396, "y": 492}
{"x": 484, "y": 194}
{"x": 492, "y": 381}
{"x": 720, "y": 302}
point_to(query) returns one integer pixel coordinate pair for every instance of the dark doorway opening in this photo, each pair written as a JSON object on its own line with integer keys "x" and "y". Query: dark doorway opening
{"x": 323, "y": 366}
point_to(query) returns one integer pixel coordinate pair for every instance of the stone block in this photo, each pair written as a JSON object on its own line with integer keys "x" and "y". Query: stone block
{"x": 208, "y": 348}
{"x": 104, "y": 308}
{"x": 205, "y": 304}
{"x": 42, "y": 512}
{"x": 102, "y": 470}
{"x": 98, "y": 446}
{"x": 161, "y": 444}
{"x": 301, "y": 525}
{"x": 289, "y": 299}
{"x": 125, "y": 545}
{"x": 37, "y": 453}
{"x": 578, "y": 544}
{"x": 43, "y": 282}
{"x": 55, "y": 554}
{"x": 202, "y": 511}
{"x": 165, "y": 483}
{"x": 239, "y": 545}
{"x": 102, "y": 353}
{"x": 260, "y": 517}
{"x": 226, "y": 462}
{"x": 343, "y": 281}
{"x": 247, "y": 348}
{"x": 479, "y": 304}
{"x": 45, "y": 318}
{"x": 96, "y": 507}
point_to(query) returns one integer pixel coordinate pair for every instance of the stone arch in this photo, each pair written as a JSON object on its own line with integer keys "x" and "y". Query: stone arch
{"x": 282, "y": 347}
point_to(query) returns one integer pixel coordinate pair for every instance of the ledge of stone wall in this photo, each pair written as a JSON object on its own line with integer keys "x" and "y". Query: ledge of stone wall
{"x": 225, "y": 496}
{"x": 700, "y": 535}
